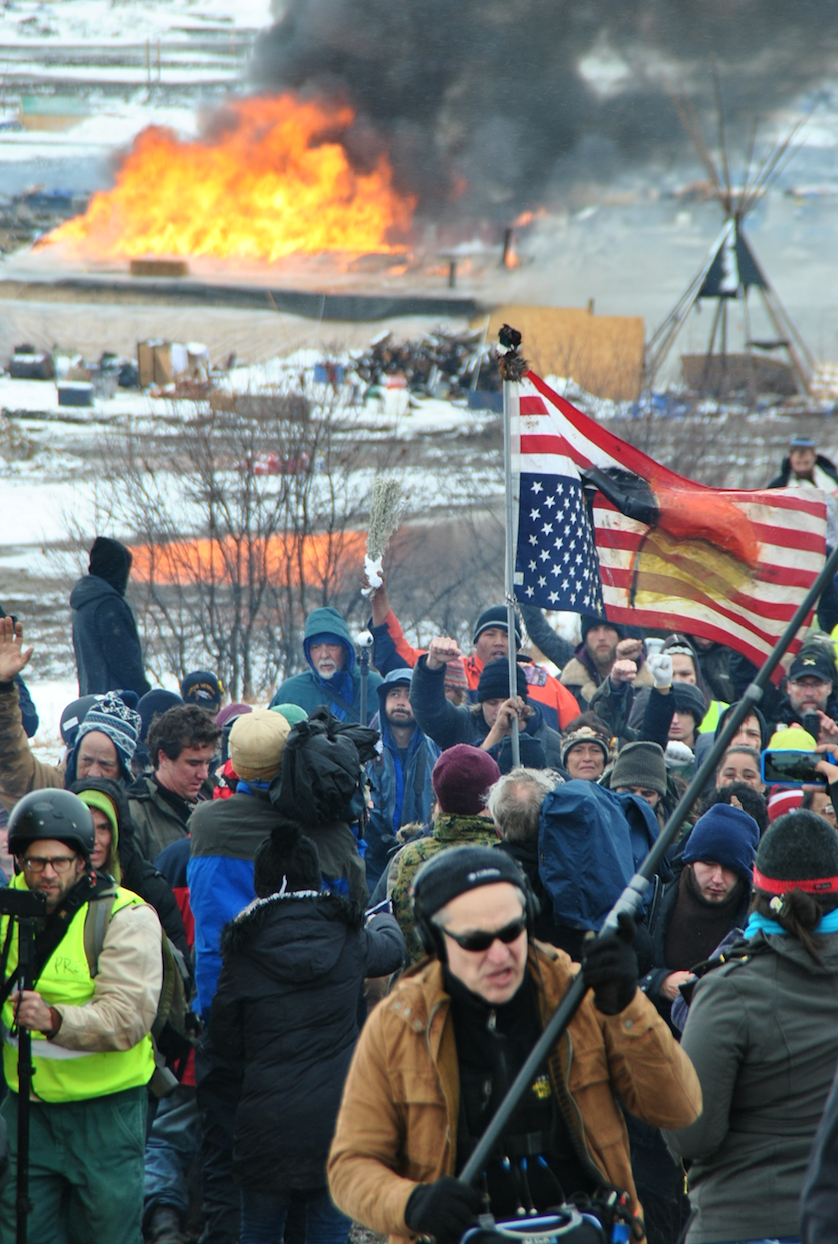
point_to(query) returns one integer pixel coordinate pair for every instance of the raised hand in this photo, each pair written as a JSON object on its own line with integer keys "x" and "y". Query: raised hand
{"x": 441, "y": 651}
{"x": 13, "y": 655}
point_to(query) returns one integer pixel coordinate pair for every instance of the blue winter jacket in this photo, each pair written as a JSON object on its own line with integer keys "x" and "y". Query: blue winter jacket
{"x": 308, "y": 690}
{"x": 399, "y": 795}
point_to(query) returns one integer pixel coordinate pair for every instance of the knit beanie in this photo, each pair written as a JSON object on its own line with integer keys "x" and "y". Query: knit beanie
{"x": 154, "y": 704}
{"x": 461, "y": 777}
{"x": 494, "y": 682}
{"x": 73, "y": 715}
{"x": 203, "y": 688}
{"x": 122, "y": 725}
{"x": 496, "y": 616}
{"x": 286, "y": 860}
{"x": 729, "y": 837}
{"x": 584, "y": 734}
{"x": 590, "y": 620}
{"x": 457, "y": 870}
{"x": 291, "y": 712}
{"x": 688, "y": 699}
{"x": 257, "y": 741}
{"x": 792, "y": 739}
{"x": 640, "y": 764}
{"x": 783, "y": 802}
{"x": 455, "y": 675}
{"x": 99, "y": 800}
{"x": 798, "y": 852}
{"x": 230, "y": 712}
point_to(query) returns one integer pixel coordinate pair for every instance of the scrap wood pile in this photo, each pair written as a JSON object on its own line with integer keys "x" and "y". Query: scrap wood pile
{"x": 437, "y": 362}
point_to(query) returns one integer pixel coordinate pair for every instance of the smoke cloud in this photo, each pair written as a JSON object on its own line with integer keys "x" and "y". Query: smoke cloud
{"x": 487, "y": 107}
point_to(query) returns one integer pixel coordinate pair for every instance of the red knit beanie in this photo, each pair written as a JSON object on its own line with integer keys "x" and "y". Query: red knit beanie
{"x": 461, "y": 778}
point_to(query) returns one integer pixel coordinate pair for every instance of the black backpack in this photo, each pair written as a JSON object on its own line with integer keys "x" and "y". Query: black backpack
{"x": 321, "y": 779}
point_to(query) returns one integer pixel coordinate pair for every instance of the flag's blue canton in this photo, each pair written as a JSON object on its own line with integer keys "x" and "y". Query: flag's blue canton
{"x": 557, "y": 565}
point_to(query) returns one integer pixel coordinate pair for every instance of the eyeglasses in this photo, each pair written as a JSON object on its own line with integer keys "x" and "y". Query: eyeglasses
{"x": 37, "y": 863}
{"x": 482, "y": 940}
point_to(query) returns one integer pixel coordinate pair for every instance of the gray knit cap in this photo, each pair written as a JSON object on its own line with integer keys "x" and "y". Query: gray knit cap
{"x": 640, "y": 764}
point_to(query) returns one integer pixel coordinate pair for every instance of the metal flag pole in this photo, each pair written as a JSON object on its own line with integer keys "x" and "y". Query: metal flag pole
{"x": 632, "y": 897}
{"x": 509, "y": 567}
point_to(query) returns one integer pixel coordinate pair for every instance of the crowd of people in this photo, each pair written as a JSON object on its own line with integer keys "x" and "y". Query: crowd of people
{"x": 288, "y": 962}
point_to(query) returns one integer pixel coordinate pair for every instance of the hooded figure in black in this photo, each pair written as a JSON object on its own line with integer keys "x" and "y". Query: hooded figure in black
{"x": 105, "y": 638}
{"x": 286, "y": 1007}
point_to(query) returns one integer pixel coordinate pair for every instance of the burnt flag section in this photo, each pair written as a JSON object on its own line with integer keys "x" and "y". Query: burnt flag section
{"x": 556, "y": 565}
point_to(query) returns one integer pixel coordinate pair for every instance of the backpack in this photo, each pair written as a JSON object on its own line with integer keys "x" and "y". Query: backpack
{"x": 176, "y": 1028}
{"x": 321, "y": 779}
{"x": 585, "y": 857}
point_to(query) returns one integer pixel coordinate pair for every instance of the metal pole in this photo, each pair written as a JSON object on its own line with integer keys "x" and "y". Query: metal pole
{"x": 509, "y": 569}
{"x": 23, "y": 1205}
{"x": 364, "y": 663}
{"x": 632, "y": 897}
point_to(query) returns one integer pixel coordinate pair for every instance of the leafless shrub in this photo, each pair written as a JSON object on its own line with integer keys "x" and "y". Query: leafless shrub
{"x": 241, "y": 522}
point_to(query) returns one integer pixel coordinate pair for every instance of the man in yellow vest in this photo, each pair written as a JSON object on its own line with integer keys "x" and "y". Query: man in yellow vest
{"x": 91, "y": 1051}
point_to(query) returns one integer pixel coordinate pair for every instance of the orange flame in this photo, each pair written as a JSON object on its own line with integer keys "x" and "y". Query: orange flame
{"x": 277, "y": 181}
{"x": 284, "y": 558}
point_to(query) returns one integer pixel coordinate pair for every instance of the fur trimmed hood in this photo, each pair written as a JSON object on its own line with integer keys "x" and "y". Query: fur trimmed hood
{"x": 297, "y": 935}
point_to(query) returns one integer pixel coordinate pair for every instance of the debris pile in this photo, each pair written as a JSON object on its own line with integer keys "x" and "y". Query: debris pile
{"x": 24, "y": 217}
{"x": 440, "y": 364}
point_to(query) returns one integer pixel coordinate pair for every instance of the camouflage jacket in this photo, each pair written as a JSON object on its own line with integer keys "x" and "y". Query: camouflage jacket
{"x": 449, "y": 831}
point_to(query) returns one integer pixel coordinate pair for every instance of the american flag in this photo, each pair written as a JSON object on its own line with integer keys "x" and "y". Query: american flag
{"x": 730, "y": 566}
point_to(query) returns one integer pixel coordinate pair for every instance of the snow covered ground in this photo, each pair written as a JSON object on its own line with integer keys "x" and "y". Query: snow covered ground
{"x": 122, "y": 66}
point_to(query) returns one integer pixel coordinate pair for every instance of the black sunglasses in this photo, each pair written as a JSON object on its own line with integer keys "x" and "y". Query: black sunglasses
{"x": 481, "y": 940}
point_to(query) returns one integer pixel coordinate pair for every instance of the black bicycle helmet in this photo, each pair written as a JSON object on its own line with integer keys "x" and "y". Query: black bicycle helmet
{"x": 51, "y": 813}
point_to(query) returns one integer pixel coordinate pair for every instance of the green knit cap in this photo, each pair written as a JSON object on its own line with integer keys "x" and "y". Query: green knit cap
{"x": 291, "y": 712}
{"x": 99, "y": 800}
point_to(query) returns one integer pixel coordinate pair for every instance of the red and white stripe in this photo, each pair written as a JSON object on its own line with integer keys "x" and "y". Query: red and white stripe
{"x": 549, "y": 435}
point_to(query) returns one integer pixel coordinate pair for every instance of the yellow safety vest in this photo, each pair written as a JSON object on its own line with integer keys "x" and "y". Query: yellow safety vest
{"x": 62, "y": 1074}
{"x": 711, "y": 717}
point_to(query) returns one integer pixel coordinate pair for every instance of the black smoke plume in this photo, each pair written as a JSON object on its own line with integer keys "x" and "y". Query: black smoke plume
{"x": 488, "y": 106}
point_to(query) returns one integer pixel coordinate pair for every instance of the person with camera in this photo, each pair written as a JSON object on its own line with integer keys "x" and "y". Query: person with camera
{"x": 436, "y": 1057}
{"x": 92, "y": 1055}
{"x": 810, "y": 700}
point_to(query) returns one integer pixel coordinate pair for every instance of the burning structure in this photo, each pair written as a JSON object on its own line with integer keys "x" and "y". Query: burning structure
{"x": 270, "y": 179}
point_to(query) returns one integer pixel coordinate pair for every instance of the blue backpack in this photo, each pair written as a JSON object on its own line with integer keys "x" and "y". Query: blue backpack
{"x": 643, "y": 824}
{"x": 585, "y": 852}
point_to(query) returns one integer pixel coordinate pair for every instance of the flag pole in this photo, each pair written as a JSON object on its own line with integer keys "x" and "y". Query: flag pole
{"x": 509, "y": 567}
{"x": 632, "y": 897}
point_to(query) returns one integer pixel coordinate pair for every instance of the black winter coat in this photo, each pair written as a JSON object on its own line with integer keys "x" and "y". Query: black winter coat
{"x": 287, "y": 1006}
{"x": 105, "y": 639}
{"x": 448, "y": 725}
{"x": 661, "y": 907}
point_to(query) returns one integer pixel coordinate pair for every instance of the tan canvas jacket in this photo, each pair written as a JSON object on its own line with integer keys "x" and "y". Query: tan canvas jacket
{"x": 20, "y": 770}
{"x": 397, "y": 1124}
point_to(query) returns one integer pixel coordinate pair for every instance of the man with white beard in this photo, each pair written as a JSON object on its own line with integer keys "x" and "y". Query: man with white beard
{"x": 332, "y": 678}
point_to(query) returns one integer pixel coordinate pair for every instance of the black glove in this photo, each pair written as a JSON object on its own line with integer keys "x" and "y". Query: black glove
{"x": 445, "y": 1209}
{"x": 609, "y": 967}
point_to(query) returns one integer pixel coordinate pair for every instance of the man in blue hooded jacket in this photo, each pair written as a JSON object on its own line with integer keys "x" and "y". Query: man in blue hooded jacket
{"x": 400, "y": 775}
{"x": 332, "y": 678}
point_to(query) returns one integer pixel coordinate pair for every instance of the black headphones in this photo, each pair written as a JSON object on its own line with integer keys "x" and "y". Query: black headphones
{"x": 430, "y": 934}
